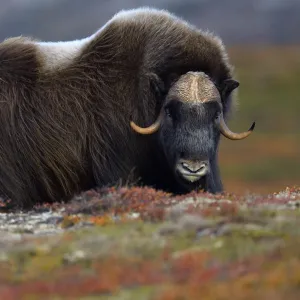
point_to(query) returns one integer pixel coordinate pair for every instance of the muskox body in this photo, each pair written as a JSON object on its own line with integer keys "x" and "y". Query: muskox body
{"x": 65, "y": 107}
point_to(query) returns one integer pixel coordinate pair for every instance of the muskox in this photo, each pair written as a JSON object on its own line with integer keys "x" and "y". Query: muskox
{"x": 143, "y": 99}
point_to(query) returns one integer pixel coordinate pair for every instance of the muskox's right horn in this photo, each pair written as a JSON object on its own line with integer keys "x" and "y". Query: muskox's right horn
{"x": 147, "y": 130}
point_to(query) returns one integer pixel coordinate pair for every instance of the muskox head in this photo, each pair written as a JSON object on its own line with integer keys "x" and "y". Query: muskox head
{"x": 189, "y": 127}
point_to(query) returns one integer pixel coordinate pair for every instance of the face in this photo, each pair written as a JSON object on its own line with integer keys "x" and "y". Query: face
{"x": 189, "y": 133}
{"x": 189, "y": 126}
{"x": 189, "y": 137}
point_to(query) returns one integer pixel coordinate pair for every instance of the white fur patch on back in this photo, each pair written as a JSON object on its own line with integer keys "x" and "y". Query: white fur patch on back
{"x": 58, "y": 55}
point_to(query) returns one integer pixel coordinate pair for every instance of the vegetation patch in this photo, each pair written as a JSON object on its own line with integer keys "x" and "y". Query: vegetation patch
{"x": 139, "y": 243}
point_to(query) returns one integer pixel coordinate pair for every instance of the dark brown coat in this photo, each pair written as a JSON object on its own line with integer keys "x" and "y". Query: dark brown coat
{"x": 65, "y": 108}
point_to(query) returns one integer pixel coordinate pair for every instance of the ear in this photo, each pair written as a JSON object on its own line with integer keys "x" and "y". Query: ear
{"x": 227, "y": 86}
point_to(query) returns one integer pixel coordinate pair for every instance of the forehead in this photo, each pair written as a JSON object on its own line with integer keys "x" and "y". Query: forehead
{"x": 194, "y": 115}
{"x": 194, "y": 87}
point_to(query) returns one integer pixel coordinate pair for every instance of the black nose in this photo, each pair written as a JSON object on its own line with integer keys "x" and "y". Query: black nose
{"x": 194, "y": 166}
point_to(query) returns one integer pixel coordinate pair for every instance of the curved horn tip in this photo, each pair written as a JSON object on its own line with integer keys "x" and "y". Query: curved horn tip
{"x": 252, "y": 127}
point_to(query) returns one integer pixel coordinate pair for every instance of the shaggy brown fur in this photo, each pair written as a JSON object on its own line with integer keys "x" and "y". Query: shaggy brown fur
{"x": 65, "y": 129}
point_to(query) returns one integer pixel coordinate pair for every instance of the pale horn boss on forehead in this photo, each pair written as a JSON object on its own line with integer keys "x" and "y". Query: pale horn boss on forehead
{"x": 195, "y": 87}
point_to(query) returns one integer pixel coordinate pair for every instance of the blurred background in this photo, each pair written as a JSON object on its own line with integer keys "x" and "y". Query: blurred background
{"x": 263, "y": 39}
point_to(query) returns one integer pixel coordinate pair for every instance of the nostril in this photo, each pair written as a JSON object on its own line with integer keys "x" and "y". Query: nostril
{"x": 194, "y": 167}
{"x": 201, "y": 168}
{"x": 185, "y": 166}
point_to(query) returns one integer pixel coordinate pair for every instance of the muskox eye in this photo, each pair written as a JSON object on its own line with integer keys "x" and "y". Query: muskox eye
{"x": 168, "y": 112}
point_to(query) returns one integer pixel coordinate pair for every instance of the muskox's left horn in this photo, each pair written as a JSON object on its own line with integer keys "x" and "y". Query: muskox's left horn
{"x": 232, "y": 135}
{"x": 147, "y": 130}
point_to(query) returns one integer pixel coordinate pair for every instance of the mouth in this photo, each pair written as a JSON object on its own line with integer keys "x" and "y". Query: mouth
{"x": 191, "y": 172}
{"x": 192, "y": 178}
{"x": 190, "y": 182}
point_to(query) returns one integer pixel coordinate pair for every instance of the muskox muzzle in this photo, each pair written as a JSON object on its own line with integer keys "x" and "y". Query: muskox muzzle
{"x": 192, "y": 170}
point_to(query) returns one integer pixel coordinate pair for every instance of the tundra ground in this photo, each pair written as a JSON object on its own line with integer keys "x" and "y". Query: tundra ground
{"x": 139, "y": 243}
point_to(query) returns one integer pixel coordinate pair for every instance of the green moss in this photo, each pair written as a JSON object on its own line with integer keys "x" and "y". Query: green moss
{"x": 135, "y": 227}
{"x": 140, "y": 293}
{"x": 36, "y": 261}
